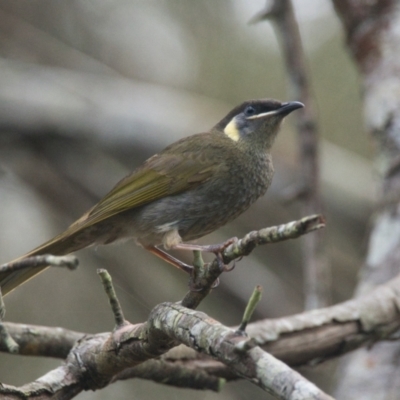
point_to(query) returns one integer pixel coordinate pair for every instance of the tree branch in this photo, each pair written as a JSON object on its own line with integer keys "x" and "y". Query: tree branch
{"x": 316, "y": 268}
{"x": 244, "y": 247}
{"x": 304, "y": 338}
{"x": 95, "y": 359}
{"x": 372, "y": 35}
{"x": 208, "y": 336}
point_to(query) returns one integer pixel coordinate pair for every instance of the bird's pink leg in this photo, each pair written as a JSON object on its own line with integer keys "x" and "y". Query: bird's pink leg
{"x": 169, "y": 259}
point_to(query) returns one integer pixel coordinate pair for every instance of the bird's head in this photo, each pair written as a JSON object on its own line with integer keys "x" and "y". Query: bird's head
{"x": 256, "y": 122}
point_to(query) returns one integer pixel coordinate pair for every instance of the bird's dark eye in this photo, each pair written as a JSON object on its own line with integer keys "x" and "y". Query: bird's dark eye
{"x": 249, "y": 111}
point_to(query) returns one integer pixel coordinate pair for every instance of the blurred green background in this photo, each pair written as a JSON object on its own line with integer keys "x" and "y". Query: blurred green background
{"x": 90, "y": 89}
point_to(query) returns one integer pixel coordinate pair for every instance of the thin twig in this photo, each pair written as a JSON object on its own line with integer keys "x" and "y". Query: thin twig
{"x": 273, "y": 234}
{"x": 69, "y": 261}
{"x": 316, "y": 268}
{"x": 112, "y": 297}
{"x": 250, "y": 308}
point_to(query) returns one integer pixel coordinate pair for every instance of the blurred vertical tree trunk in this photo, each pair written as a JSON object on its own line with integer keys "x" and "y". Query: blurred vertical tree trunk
{"x": 373, "y": 38}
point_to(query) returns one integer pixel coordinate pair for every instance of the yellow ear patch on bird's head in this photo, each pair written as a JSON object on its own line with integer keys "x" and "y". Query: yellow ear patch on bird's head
{"x": 231, "y": 130}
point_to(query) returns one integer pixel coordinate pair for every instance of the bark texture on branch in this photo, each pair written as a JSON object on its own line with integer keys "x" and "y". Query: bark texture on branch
{"x": 309, "y": 337}
{"x": 222, "y": 343}
{"x": 95, "y": 359}
{"x": 373, "y": 39}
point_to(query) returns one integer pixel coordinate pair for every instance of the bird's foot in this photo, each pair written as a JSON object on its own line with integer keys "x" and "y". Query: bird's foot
{"x": 228, "y": 268}
{"x": 217, "y": 249}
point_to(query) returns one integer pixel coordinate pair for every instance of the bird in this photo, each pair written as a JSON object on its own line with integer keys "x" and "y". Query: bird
{"x": 191, "y": 188}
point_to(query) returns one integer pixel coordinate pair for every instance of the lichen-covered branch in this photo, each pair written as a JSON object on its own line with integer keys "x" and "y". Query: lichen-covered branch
{"x": 200, "y": 332}
{"x": 68, "y": 261}
{"x": 244, "y": 247}
{"x": 373, "y": 40}
{"x": 332, "y": 331}
{"x": 318, "y": 335}
{"x": 304, "y": 338}
{"x": 96, "y": 359}
{"x": 273, "y": 234}
{"x": 116, "y": 309}
{"x": 71, "y": 262}
{"x": 43, "y": 341}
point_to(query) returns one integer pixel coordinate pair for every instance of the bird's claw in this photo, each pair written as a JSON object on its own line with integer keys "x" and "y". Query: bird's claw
{"x": 215, "y": 284}
{"x": 224, "y": 267}
{"x": 228, "y": 268}
{"x": 219, "y": 248}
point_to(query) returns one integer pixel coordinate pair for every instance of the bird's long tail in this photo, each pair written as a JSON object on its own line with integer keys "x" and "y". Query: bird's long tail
{"x": 60, "y": 245}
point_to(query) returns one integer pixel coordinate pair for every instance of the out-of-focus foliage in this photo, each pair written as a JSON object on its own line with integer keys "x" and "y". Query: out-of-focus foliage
{"x": 89, "y": 89}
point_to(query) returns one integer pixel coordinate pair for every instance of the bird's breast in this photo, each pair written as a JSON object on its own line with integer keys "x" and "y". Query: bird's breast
{"x": 221, "y": 200}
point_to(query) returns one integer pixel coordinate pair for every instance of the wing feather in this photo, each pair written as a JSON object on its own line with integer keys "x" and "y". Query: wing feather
{"x": 156, "y": 179}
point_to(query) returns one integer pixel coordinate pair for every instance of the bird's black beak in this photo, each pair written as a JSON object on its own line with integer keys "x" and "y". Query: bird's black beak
{"x": 284, "y": 110}
{"x": 287, "y": 108}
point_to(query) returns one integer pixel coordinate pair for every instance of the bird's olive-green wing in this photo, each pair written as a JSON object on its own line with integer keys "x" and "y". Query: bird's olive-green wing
{"x": 162, "y": 175}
